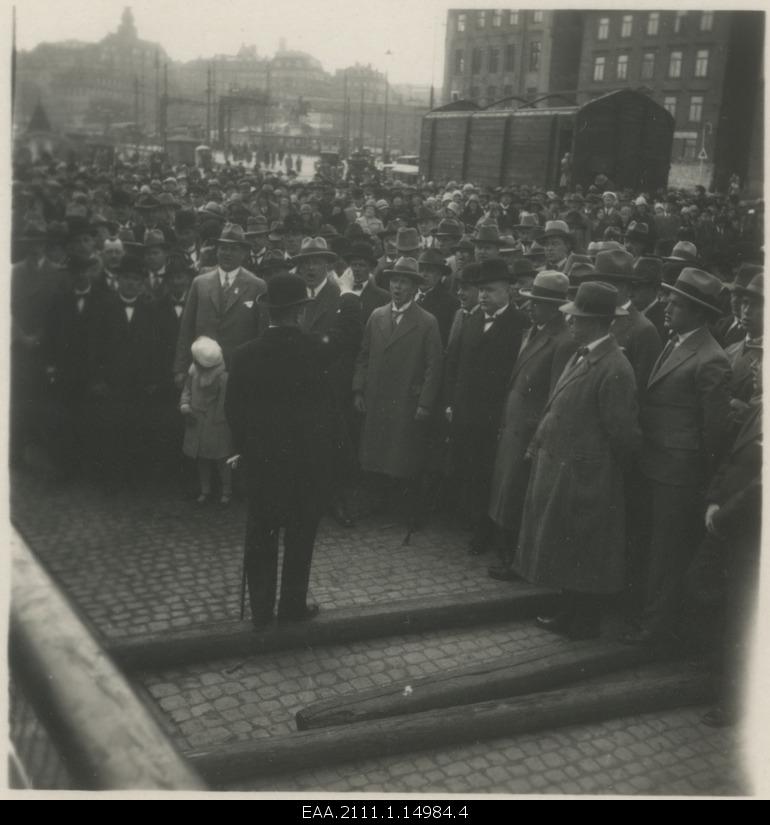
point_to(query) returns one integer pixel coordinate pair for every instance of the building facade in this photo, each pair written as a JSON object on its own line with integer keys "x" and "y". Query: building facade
{"x": 699, "y": 65}
{"x": 491, "y": 54}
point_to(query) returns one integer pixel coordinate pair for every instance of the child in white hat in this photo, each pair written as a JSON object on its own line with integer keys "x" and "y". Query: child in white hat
{"x": 207, "y": 436}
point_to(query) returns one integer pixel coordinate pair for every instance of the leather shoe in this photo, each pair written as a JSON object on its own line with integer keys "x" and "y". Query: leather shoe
{"x": 310, "y": 612}
{"x": 560, "y": 623}
{"x": 503, "y": 573}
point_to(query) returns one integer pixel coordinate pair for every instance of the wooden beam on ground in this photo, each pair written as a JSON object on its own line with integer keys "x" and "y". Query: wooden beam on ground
{"x": 545, "y": 668}
{"x": 582, "y": 704}
{"x": 351, "y": 624}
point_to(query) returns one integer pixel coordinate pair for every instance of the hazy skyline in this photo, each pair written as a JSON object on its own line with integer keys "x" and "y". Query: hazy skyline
{"x": 338, "y": 33}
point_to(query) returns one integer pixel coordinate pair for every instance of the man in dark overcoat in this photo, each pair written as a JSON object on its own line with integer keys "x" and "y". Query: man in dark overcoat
{"x": 684, "y": 418}
{"x": 573, "y": 529}
{"x": 476, "y": 379}
{"x": 433, "y": 295}
{"x": 281, "y": 412}
{"x": 645, "y": 286}
{"x": 546, "y": 348}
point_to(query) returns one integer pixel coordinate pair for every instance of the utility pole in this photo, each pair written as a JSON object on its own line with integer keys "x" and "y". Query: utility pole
{"x": 361, "y": 125}
{"x": 157, "y": 93}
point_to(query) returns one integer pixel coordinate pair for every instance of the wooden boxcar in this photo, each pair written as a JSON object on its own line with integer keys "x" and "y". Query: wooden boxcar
{"x": 624, "y": 135}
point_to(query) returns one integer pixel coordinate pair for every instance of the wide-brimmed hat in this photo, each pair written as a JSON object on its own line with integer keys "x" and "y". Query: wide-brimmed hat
{"x": 284, "y": 290}
{"x": 272, "y": 259}
{"x": 232, "y": 233}
{"x": 487, "y": 233}
{"x": 595, "y": 247}
{"x": 549, "y": 286}
{"x": 313, "y": 248}
{"x": 535, "y": 251}
{"x": 256, "y": 226}
{"x": 464, "y": 245}
{"x": 406, "y": 267}
{"x": 432, "y": 257}
{"x": 529, "y": 221}
{"x": 700, "y": 287}
{"x": 449, "y": 228}
{"x": 743, "y": 276}
{"x": 469, "y": 274}
{"x": 648, "y": 271}
{"x": 213, "y": 210}
{"x": 206, "y": 352}
{"x": 594, "y": 299}
{"x": 684, "y": 251}
{"x": 494, "y": 269}
{"x": 276, "y": 231}
{"x": 575, "y": 259}
{"x": 756, "y": 287}
{"x": 558, "y": 229}
{"x": 407, "y": 239}
{"x": 637, "y": 230}
{"x": 522, "y": 268}
{"x": 615, "y": 265}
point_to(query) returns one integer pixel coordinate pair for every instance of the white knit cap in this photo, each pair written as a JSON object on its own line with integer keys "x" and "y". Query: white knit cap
{"x": 206, "y": 352}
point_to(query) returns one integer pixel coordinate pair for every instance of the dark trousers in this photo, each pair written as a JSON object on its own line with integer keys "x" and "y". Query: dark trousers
{"x": 676, "y": 531}
{"x": 261, "y": 558}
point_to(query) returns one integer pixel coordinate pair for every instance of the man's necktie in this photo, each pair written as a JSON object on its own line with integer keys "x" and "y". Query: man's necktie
{"x": 668, "y": 349}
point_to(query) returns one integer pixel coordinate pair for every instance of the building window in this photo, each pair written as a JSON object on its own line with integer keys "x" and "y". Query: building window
{"x": 491, "y": 93}
{"x": 534, "y": 56}
{"x": 684, "y": 149}
{"x": 675, "y": 65}
{"x": 476, "y": 61}
{"x": 653, "y": 21}
{"x": 461, "y": 22}
{"x": 514, "y": 18}
{"x": 702, "y": 63}
{"x": 622, "y": 67}
{"x": 648, "y": 66}
{"x": 494, "y": 60}
{"x": 481, "y": 19}
{"x": 669, "y": 104}
{"x": 706, "y": 21}
{"x": 627, "y": 25}
{"x": 679, "y": 22}
{"x": 510, "y": 57}
{"x": 459, "y": 62}
{"x": 537, "y": 17}
{"x": 508, "y": 90}
{"x": 497, "y": 18}
{"x": 604, "y": 28}
{"x": 599, "y": 68}
{"x": 696, "y": 109}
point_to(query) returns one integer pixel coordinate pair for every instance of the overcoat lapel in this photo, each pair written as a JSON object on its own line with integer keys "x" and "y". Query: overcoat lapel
{"x": 408, "y": 323}
{"x": 682, "y": 353}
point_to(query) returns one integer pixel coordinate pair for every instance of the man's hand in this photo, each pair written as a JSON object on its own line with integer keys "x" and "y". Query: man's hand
{"x": 422, "y": 414}
{"x": 233, "y": 461}
{"x": 179, "y": 379}
{"x": 359, "y": 405}
{"x": 711, "y": 512}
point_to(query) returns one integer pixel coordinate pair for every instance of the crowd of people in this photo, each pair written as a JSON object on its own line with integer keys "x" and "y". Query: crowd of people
{"x": 577, "y": 373}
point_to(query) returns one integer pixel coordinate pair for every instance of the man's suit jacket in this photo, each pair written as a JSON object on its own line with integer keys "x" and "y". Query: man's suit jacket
{"x": 727, "y": 331}
{"x": 741, "y": 359}
{"x": 573, "y": 528}
{"x": 684, "y": 413}
{"x": 372, "y": 297}
{"x": 228, "y": 319}
{"x": 540, "y": 362}
{"x": 656, "y": 314}
{"x": 638, "y": 338}
{"x": 442, "y": 306}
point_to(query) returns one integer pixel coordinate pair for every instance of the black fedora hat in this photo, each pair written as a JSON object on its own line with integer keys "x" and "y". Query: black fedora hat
{"x": 469, "y": 274}
{"x": 594, "y": 299}
{"x": 494, "y": 269}
{"x": 284, "y": 290}
{"x": 700, "y": 287}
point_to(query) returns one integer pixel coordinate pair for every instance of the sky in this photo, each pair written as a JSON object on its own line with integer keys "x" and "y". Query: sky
{"x": 338, "y": 32}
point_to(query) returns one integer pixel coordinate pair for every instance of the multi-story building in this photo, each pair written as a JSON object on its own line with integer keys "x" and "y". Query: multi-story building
{"x": 702, "y": 66}
{"x": 492, "y": 54}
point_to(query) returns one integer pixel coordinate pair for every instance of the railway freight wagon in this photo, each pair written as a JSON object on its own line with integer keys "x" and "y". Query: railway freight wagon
{"x": 624, "y": 135}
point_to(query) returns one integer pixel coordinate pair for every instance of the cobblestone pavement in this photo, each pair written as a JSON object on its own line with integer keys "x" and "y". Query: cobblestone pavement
{"x": 149, "y": 561}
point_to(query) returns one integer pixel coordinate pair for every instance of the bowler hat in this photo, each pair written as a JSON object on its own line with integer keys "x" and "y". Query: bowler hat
{"x": 232, "y": 233}
{"x": 614, "y": 265}
{"x": 700, "y": 287}
{"x": 594, "y": 299}
{"x": 494, "y": 269}
{"x": 487, "y": 233}
{"x": 648, "y": 270}
{"x": 432, "y": 257}
{"x": 406, "y": 267}
{"x": 407, "y": 240}
{"x": 469, "y": 274}
{"x": 284, "y": 290}
{"x": 313, "y": 248}
{"x": 549, "y": 286}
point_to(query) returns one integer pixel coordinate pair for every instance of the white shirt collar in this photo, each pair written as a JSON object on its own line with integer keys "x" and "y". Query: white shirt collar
{"x": 594, "y": 344}
{"x": 650, "y": 305}
{"x": 226, "y": 276}
{"x": 683, "y": 336}
{"x": 400, "y": 310}
{"x": 498, "y": 312}
{"x": 313, "y": 291}
{"x": 627, "y": 304}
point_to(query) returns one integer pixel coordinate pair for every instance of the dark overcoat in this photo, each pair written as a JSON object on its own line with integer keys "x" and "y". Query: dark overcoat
{"x": 637, "y": 337}
{"x": 538, "y": 367}
{"x": 442, "y": 306}
{"x": 398, "y": 369}
{"x": 573, "y": 530}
